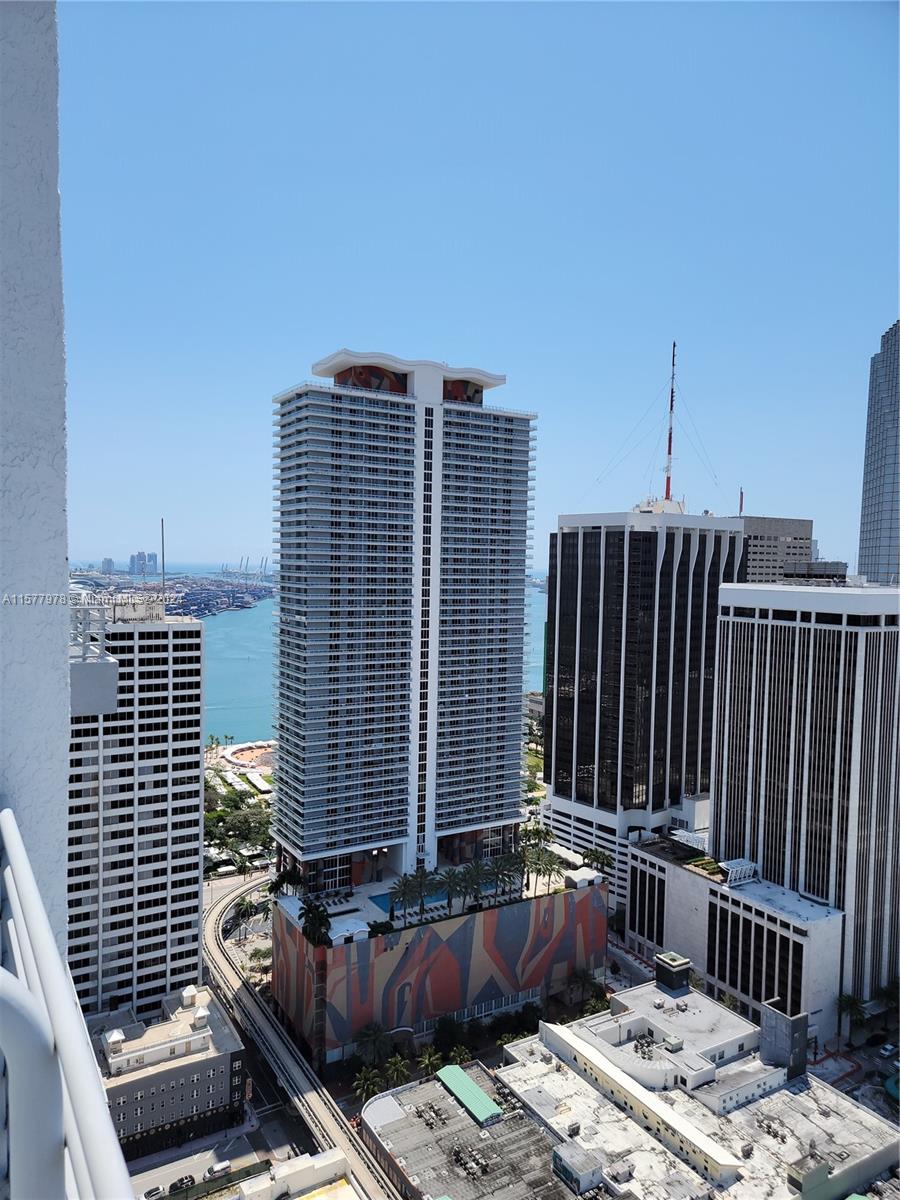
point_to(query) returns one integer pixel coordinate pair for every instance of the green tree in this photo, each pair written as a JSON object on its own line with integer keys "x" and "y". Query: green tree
{"x": 600, "y": 860}
{"x": 316, "y": 922}
{"x": 249, "y": 826}
{"x": 396, "y": 1070}
{"x": 596, "y": 1004}
{"x": 447, "y": 1034}
{"x": 460, "y": 1054}
{"x": 475, "y": 874}
{"x": 429, "y": 1061}
{"x": 549, "y": 866}
{"x": 451, "y": 881}
{"x": 244, "y": 910}
{"x": 367, "y": 1084}
{"x": 852, "y": 1008}
{"x": 424, "y": 884}
{"x": 582, "y": 979}
{"x": 500, "y": 873}
{"x": 373, "y": 1043}
{"x": 402, "y": 895}
{"x": 729, "y": 1001}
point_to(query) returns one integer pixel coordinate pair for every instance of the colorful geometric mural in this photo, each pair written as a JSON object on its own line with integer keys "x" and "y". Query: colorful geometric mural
{"x": 413, "y": 975}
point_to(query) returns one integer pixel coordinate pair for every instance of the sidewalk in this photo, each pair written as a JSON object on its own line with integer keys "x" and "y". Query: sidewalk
{"x": 162, "y": 1158}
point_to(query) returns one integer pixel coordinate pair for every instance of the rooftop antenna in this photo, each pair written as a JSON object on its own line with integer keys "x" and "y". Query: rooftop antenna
{"x": 671, "y": 419}
{"x": 162, "y": 546}
{"x": 741, "y": 504}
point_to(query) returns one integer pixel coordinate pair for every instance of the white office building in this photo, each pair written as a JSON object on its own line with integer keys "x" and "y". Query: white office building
{"x": 630, "y": 660}
{"x": 805, "y": 781}
{"x": 403, "y": 510}
{"x": 136, "y": 811}
{"x": 753, "y": 941}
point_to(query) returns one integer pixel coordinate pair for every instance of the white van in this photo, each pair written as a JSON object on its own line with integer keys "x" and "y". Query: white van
{"x": 217, "y": 1169}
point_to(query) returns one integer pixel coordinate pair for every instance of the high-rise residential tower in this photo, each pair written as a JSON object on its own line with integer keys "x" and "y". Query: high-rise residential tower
{"x": 631, "y": 633}
{"x": 879, "y": 526}
{"x": 136, "y": 815}
{"x": 806, "y": 770}
{"x": 403, "y": 516}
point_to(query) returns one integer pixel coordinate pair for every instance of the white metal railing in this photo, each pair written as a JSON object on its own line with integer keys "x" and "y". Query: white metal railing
{"x": 87, "y": 636}
{"x": 58, "y": 1142}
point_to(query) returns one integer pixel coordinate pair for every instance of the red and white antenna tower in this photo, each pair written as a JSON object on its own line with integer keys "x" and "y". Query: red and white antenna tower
{"x": 671, "y": 419}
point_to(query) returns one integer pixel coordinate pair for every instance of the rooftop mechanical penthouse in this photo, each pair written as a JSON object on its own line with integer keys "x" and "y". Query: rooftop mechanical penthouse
{"x": 403, "y": 524}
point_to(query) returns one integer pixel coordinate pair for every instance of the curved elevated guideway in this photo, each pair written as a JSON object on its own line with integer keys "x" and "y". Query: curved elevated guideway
{"x": 315, "y": 1105}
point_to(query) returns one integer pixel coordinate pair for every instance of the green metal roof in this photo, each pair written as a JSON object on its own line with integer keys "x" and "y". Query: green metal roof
{"x": 473, "y": 1098}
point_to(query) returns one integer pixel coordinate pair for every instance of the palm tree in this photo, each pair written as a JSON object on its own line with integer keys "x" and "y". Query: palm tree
{"x": 396, "y": 1070}
{"x": 424, "y": 884}
{"x": 429, "y": 1061}
{"x": 316, "y": 922}
{"x": 367, "y": 1084}
{"x": 581, "y": 978}
{"x": 494, "y": 873}
{"x": 548, "y": 866}
{"x": 401, "y": 894}
{"x": 452, "y": 882}
{"x": 373, "y": 1043}
{"x": 513, "y": 865}
{"x": 598, "y": 859}
{"x": 264, "y": 908}
{"x": 244, "y": 909}
{"x": 596, "y": 1004}
{"x": 476, "y": 876}
{"x": 460, "y": 1054}
{"x": 850, "y": 1006}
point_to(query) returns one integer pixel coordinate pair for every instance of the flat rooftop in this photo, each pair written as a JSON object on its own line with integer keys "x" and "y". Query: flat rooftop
{"x": 450, "y": 1155}
{"x": 767, "y": 1135}
{"x": 755, "y": 891}
{"x": 698, "y": 1020}
{"x": 872, "y": 600}
{"x": 175, "y": 1022}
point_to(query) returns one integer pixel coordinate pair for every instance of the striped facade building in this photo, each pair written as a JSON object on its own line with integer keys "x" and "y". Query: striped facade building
{"x": 630, "y": 661}
{"x": 806, "y": 773}
{"x": 403, "y": 508}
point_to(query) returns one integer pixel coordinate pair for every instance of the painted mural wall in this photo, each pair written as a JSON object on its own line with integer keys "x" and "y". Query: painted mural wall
{"x": 413, "y": 975}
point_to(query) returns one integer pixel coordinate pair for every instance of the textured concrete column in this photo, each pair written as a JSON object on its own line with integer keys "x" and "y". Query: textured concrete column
{"x": 34, "y": 680}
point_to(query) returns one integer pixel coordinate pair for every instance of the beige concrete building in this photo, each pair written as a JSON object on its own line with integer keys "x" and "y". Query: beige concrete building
{"x": 172, "y": 1079}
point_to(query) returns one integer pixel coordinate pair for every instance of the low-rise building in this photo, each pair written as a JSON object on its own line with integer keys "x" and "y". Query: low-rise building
{"x": 454, "y": 1135}
{"x": 173, "y": 1079}
{"x": 322, "y": 1176}
{"x": 671, "y": 1096}
{"x": 667, "y": 1096}
{"x": 750, "y": 939}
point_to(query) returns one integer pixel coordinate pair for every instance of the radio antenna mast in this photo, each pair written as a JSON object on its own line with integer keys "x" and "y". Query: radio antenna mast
{"x": 671, "y": 419}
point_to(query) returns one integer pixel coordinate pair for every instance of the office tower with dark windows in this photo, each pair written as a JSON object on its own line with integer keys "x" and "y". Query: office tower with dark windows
{"x": 136, "y": 809}
{"x": 630, "y": 658}
{"x": 403, "y": 510}
{"x": 806, "y": 771}
{"x": 879, "y": 526}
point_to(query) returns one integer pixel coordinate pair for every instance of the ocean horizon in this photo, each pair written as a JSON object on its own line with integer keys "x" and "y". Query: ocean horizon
{"x": 238, "y": 693}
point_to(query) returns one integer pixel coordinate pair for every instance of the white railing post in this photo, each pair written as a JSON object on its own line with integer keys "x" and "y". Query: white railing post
{"x": 35, "y": 1137}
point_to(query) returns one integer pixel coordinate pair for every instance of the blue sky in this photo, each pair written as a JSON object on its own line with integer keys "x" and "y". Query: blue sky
{"x": 552, "y": 191}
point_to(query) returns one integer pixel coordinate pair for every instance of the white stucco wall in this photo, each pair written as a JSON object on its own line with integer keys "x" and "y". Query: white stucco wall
{"x": 34, "y": 681}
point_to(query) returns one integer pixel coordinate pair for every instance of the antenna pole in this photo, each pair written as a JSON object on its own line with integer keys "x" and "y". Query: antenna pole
{"x": 671, "y": 419}
{"x": 162, "y": 539}
{"x": 741, "y": 505}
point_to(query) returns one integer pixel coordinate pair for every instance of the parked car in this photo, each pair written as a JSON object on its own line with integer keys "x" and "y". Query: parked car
{"x": 887, "y": 1051}
{"x": 217, "y": 1169}
{"x": 179, "y": 1185}
{"x": 154, "y": 1193}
